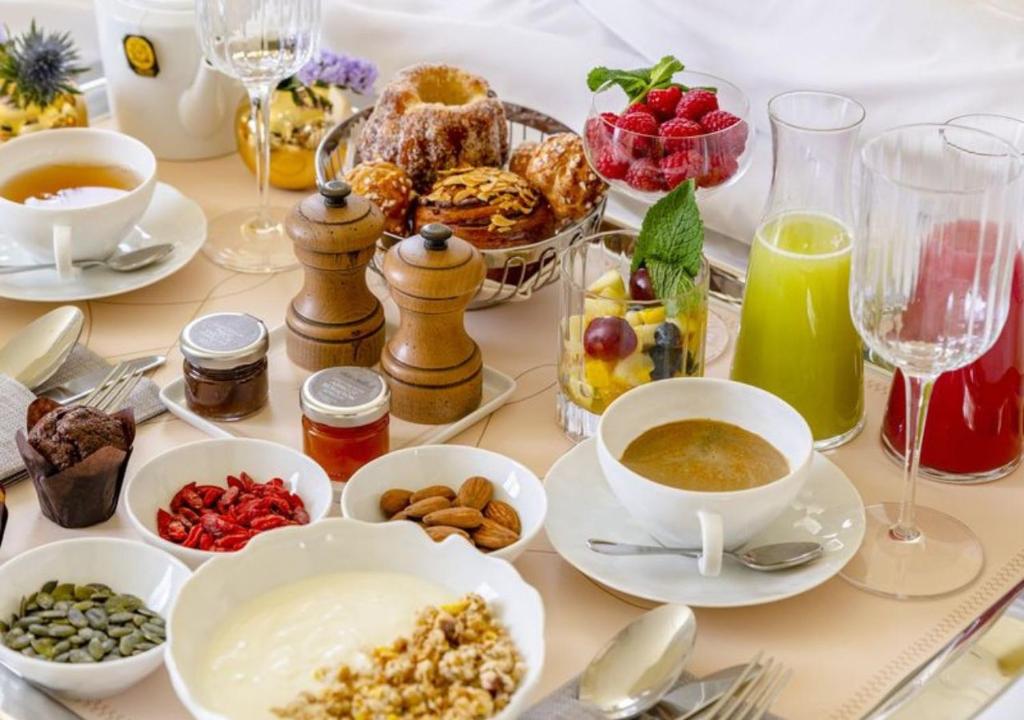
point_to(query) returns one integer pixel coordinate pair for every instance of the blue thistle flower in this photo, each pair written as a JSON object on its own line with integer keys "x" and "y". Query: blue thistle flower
{"x": 37, "y": 67}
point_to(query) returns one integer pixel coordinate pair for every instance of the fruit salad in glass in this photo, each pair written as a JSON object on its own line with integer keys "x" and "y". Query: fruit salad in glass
{"x": 615, "y": 334}
{"x": 651, "y": 129}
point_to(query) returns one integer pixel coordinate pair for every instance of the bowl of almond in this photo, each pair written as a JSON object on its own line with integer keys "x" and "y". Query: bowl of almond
{"x": 452, "y": 491}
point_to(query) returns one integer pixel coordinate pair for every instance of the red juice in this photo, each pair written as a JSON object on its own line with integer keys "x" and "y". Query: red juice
{"x": 974, "y": 418}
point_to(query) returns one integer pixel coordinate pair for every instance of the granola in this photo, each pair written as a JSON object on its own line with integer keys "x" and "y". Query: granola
{"x": 459, "y": 664}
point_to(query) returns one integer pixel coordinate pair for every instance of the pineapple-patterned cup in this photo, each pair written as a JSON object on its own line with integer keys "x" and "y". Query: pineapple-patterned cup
{"x": 609, "y": 342}
{"x": 37, "y": 90}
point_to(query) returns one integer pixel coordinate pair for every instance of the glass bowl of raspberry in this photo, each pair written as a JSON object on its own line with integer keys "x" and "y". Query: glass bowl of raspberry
{"x": 696, "y": 128}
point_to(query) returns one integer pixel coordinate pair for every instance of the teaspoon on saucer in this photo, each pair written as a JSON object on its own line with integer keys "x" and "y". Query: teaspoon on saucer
{"x": 766, "y": 558}
{"x": 121, "y": 261}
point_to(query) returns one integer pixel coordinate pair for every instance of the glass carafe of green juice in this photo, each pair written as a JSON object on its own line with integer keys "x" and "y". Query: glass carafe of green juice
{"x": 796, "y": 339}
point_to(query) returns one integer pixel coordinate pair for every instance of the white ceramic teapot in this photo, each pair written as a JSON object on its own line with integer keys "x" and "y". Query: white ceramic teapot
{"x": 161, "y": 89}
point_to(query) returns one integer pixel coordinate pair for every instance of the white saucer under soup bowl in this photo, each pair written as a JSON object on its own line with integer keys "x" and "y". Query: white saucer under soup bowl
{"x": 128, "y": 567}
{"x": 714, "y": 521}
{"x": 419, "y": 467}
{"x": 209, "y": 462}
{"x": 348, "y": 551}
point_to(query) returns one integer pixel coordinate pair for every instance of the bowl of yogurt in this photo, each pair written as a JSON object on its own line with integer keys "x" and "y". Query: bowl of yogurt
{"x": 257, "y": 631}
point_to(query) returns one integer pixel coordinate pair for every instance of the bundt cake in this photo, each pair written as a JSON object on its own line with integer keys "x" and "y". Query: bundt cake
{"x": 435, "y": 117}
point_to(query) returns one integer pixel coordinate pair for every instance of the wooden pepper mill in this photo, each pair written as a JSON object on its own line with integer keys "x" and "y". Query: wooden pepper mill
{"x": 335, "y": 319}
{"x": 432, "y": 365}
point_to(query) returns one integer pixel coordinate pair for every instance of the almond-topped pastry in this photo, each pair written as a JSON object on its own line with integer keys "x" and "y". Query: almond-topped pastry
{"x": 488, "y": 207}
{"x": 521, "y": 156}
{"x": 559, "y": 169}
{"x": 434, "y": 117}
{"x": 388, "y": 187}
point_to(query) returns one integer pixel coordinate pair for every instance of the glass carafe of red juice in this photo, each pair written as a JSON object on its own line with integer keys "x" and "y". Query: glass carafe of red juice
{"x": 974, "y": 420}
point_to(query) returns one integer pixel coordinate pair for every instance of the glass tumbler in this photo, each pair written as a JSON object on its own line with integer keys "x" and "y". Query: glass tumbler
{"x": 609, "y": 343}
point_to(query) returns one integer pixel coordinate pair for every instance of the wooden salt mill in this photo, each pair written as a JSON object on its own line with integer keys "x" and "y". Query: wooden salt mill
{"x": 335, "y": 319}
{"x": 432, "y": 365}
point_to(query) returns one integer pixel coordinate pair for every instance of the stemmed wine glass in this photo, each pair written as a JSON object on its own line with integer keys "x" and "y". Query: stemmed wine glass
{"x": 259, "y": 42}
{"x": 929, "y": 292}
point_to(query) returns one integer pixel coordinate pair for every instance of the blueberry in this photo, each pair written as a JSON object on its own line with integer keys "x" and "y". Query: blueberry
{"x": 667, "y": 335}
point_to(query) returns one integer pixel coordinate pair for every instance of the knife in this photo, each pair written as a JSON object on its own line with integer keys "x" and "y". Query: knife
{"x": 688, "y": 699}
{"x": 78, "y": 387}
{"x": 20, "y": 700}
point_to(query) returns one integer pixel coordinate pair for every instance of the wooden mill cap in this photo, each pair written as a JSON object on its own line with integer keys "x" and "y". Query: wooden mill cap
{"x": 334, "y": 220}
{"x": 435, "y": 263}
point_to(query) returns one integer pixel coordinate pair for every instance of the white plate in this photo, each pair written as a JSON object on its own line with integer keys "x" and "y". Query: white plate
{"x": 281, "y": 420}
{"x": 828, "y": 510}
{"x": 170, "y": 218}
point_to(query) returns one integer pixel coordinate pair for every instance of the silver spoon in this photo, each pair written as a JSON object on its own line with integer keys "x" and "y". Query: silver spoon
{"x": 640, "y": 664}
{"x": 766, "y": 558}
{"x": 121, "y": 262}
{"x": 38, "y": 350}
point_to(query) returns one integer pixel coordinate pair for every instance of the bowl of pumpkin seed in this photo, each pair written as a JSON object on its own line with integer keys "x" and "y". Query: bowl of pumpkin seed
{"x": 86, "y": 618}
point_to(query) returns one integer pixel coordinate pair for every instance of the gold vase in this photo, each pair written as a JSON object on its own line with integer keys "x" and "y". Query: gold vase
{"x": 66, "y": 110}
{"x": 295, "y": 132}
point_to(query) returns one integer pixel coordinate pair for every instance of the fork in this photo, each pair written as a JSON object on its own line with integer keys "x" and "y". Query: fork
{"x": 751, "y": 694}
{"x": 109, "y": 396}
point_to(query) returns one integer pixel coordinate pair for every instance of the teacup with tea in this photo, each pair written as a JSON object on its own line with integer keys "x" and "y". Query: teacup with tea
{"x": 704, "y": 463}
{"x": 73, "y": 194}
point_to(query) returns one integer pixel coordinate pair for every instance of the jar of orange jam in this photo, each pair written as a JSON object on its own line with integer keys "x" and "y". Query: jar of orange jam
{"x": 345, "y": 418}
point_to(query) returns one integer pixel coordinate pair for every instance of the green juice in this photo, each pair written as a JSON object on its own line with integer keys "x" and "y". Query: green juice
{"x": 796, "y": 337}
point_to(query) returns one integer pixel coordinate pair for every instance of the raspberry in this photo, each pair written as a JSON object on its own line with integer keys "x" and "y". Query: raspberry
{"x": 681, "y": 166}
{"x": 731, "y": 142}
{"x": 640, "y": 107}
{"x": 611, "y": 164}
{"x": 663, "y": 102}
{"x": 633, "y": 133}
{"x": 722, "y": 168}
{"x": 671, "y": 130}
{"x": 598, "y": 130}
{"x": 696, "y": 103}
{"x": 645, "y": 175}
{"x": 718, "y": 120}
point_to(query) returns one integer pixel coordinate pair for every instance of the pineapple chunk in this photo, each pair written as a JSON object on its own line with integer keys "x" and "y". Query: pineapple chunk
{"x": 645, "y": 335}
{"x": 633, "y": 318}
{"x": 598, "y": 373}
{"x": 634, "y": 370}
{"x": 609, "y": 285}
{"x": 602, "y": 307}
{"x": 653, "y": 315}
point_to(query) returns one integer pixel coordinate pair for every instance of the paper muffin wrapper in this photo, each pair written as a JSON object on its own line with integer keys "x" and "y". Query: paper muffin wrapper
{"x": 86, "y": 493}
{"x": 3, "y": 516}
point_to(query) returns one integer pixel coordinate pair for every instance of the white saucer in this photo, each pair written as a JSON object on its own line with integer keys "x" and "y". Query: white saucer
{"x": 170, "y": 218}
{"x": 581, "y": 506}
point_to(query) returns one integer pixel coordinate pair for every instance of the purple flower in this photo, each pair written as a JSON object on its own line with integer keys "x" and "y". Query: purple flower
{"x": 346, "y": 71}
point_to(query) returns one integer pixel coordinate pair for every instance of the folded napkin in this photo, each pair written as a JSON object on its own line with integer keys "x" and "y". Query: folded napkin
{"x": 563, "y": 705}
{"x": 144, "y": 400}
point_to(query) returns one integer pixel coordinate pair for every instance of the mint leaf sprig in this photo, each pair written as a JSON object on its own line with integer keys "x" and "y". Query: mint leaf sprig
{"x": 671, "y": 243}
{"x": 637, "y": 83}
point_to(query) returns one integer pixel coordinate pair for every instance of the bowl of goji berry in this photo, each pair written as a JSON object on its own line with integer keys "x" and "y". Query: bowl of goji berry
{"x": 211, "y": 497}
{"x": 646, "y": 134}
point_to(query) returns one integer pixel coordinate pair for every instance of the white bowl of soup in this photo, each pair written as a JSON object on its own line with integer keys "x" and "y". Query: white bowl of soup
{"x": 704, "y": 463}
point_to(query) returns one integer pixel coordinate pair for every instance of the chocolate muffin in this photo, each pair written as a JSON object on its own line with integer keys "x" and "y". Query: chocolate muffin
{"x": 68, "y": 435}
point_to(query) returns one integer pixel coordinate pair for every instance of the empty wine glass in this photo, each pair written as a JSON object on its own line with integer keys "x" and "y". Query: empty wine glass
{"x": 929, "y": 292}
{"x": 259, "y": 42}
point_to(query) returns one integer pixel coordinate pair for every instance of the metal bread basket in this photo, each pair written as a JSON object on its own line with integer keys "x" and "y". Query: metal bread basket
{"x": 513, "y": 274}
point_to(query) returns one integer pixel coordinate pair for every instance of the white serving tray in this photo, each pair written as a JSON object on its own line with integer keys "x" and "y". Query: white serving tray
{"x": 281, "y": 419}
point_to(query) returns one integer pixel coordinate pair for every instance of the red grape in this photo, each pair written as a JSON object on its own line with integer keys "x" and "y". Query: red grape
{"x": 609, "y": 338}
{"x": 640, "y": 287}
